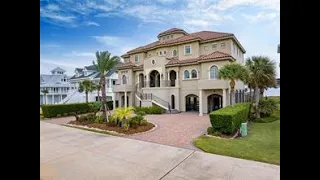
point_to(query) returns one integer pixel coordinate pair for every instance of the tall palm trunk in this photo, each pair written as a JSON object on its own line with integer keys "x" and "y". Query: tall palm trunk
{"x": 232, "y": 94}
{"x": 261, "y": 93}
{"x": 256, "y": 102}
{"x": 104, "y": 97}
{"x": 86, "y": 96}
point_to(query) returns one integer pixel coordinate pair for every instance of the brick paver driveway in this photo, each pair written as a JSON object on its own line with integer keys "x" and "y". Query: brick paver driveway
{"x": 175, "y": 129}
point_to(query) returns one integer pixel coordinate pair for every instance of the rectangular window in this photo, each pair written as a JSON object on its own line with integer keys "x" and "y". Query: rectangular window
{"x": 160, "y": 53}
{"x": 113, "y": 82}
{"x": 164, "y": 52}
{"x": 223, "y": 45}
{"x": 214, "y": 46}
{"x": 167, "y": 37}
{"x": 136, "y": 58}
{"x": 187, "y": 49}
{"x": 205, "y": 48}
{"x": 171, "y": 36}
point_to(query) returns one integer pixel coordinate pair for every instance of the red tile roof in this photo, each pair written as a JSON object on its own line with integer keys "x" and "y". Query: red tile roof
{"x": 213, "y": 56}
{"x": 172, "y": 30}
{"x": 197, "y": 36}
{"x": 129, "y": 65}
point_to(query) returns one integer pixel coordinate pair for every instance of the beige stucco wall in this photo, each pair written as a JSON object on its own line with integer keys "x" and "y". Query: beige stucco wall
{"x": 194, "y": 50}
{"x": 226, "y": 49}
{"x": 238, "y": 56}
{"x": 129, "y": 74}
{"x": 142, "y": 56}
{"x": 175, "y": 36}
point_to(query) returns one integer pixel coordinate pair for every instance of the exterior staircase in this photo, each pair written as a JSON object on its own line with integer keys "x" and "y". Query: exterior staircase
{"x": 155, "y": 100}
{"x": 68, "y": 97}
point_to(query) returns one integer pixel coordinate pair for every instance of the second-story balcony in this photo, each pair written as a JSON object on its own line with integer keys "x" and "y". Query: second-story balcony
{"x": 212, "y": 84}
{"x": 123, "y": 88}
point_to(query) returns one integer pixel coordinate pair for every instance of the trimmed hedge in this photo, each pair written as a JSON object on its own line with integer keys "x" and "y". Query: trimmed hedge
{"x": 52, "y": 110}
{"x": 228, "y": 120}
{"x": 150, "y": 110}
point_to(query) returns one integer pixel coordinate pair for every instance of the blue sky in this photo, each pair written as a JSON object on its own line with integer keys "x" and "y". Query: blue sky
{"x": 72, "y": 31}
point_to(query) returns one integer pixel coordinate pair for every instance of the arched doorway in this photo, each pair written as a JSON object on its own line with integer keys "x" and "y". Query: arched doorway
{"x": 122, "y": 101}
{"x": 172, "y": 77}
{"x": 154, "y": 78}
{"x": 214, "y": 102}
{"x": 192, "y": 102}
{"x": 141, "y": 81}
{"x": 172, "y": 102}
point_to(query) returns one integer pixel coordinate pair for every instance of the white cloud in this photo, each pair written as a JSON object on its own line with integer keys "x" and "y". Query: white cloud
{"x": 260, "y": 16}
{"x": 53, "y": 14}
{"x": 109, "y": 40}
{"x": 166, "y": 1}
{"x": 81, "y": 54}
{"x": 91, "y": 23}
{"x": 265, "y": 4}
{"x": 49, "y": 45}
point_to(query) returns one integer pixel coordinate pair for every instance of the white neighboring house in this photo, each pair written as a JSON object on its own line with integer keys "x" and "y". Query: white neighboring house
{"x": 58, "y": 85}
{"x": 90, "y": 73}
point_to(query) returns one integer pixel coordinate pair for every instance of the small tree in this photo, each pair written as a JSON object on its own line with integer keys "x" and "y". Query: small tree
{"x": 104, "y": 63}
{"x": 86, "y": 86}
{"x": 45, "y": 92}
{"x": 262, "y": 76}
{"x": 123, "y": 114}
{"x": 233, "y": 72}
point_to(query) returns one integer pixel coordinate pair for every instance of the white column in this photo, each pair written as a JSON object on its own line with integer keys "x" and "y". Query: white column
{"x": 168, "y": 76}
{"x": 125, "y": 99}
{"x": 110, "y": 83}
{"x": 52, "y": 99}
{"x": 60, "y": 97}
{"x": 114, "y": 100}
{"x": 200, "y": 103}
{"x": 224, "y": 98}
{"x": 177, "y": 74}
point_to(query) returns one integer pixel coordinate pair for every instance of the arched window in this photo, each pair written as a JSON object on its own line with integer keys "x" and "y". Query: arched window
{"x": 174, "y": 53}
{"x": 194, "y": 74}
{"x": 124, "y": 79}
{"x": 213, "y": 72}
{"x": 186, "y": 74}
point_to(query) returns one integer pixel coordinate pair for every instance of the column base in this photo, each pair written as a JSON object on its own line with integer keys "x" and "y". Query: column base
{"x": 200, "y": 114}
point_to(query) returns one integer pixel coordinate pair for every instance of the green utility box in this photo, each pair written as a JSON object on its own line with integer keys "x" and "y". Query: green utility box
{"x": 243, "y": 129}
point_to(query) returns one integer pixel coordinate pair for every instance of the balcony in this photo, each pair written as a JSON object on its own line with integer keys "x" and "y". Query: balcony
{"x": 212, "y": 84}
{"x": 123, "y": 88}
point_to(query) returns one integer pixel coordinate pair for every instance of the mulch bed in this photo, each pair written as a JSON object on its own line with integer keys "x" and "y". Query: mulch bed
{"x": 112, "y": 127}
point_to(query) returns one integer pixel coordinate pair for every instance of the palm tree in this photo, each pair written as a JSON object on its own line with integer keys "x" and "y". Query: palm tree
{"x": 45, "y": 92}
{"x": 104, "y": 63}
{"x": 262, "y": 76}
{"x": 233, "y": 72}
{"x": 123, "y": 114}
{"x": 98, "y": 88}
{"x": 86, "y": 86}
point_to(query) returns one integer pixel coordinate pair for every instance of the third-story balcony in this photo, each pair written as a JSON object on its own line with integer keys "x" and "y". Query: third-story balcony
{"x": 212, "y": 84}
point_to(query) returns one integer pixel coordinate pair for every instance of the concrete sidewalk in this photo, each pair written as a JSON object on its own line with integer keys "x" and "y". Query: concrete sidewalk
{"x": 72, "y": 154}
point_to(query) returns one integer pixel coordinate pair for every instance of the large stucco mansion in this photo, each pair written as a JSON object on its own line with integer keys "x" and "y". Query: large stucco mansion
{"x": 179, "y": 71}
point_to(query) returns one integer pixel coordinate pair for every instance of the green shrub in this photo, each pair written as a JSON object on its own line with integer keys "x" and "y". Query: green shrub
{"x": 141, "y": 113}
{"x": 99, "y": 119}
{"x": 267, "y": 107}
{"x": 135, "y": 121}
{"x": 59, "y": 115}
{"x": 227, "y": 120}
{"x": 52, "y": 110}
{"x": 72, "y": 113}
{"x": 216, "y": 133}
{"x": 65, "y": 114}
{"x": 210, "y": 130}
{"x": 149, "y": 110}
{"x": 143, "y": 122}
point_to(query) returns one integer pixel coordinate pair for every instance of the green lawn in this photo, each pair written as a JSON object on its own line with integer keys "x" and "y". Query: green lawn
{"x": 261, "y": 144}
